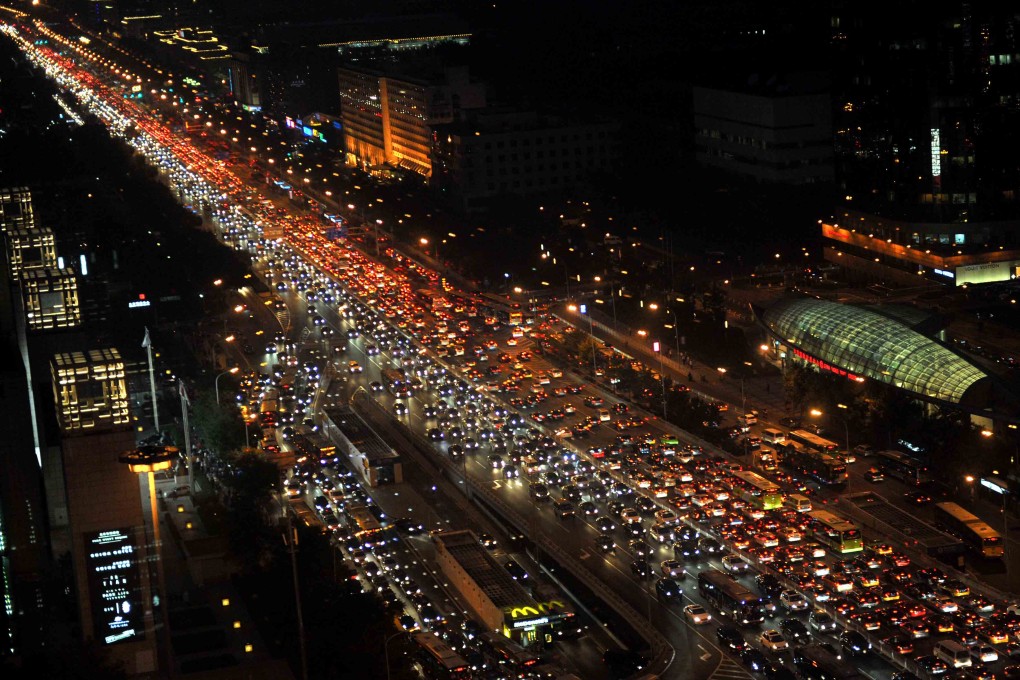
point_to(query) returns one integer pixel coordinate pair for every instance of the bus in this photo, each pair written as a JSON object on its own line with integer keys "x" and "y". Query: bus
{"x": 438, "y": 657}
{"x": 396, "y": 382}
{"x": 817, "y": 662}
{"x": 832, "y": 530}
{"x": 759, "y": 491}
{"x": 516, "y": 318}
{"x": 969, "y": 528}
{"x": 508, "y": 653}
{"x": 822, "y": 467}
{"x": 813, "y": 441}
{"x": 903, "y": 467}
{"x": 364, "y": 525}
{"x": 730, "y": 597}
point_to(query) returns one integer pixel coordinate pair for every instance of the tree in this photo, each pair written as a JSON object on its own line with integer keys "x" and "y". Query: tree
{"x": 220, "y": 424}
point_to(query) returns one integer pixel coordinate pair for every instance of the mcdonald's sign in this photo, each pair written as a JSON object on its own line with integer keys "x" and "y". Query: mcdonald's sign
{"x": 541, "y": 609}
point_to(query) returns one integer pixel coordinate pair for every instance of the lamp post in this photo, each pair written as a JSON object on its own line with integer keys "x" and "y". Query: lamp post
{"x": 386, "y": 651}
{"x": 583, "y": 311}
{"x": 662, "y": 376}
{"x": 216, "y": 382}
{"x": 149, "y": 460}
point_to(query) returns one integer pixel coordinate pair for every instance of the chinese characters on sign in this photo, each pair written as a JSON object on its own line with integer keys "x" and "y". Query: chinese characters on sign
{"x": 111, "y": 561}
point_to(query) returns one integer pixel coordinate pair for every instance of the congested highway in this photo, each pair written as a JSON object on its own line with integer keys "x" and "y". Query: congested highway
{"x": 648, "y": 509}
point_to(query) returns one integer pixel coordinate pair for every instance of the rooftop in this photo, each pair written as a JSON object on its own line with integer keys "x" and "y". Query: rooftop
{"x": 492, "y": 578}
{"x": 360, "y": 435}
{"x": 868, "y": 344}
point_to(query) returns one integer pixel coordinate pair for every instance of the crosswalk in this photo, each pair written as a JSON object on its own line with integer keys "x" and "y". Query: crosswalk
{"x": 729, "y": 670}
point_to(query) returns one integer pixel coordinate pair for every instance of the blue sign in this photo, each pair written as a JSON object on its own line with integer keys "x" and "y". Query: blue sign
{"x": 584, "y": 309}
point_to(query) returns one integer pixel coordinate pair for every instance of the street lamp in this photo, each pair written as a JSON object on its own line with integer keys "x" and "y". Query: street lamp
{"x": 216, "y": 382}
{"x": 150, "y": 460}
{"x": 662, "y": 376}
{"x": 386, "y": 651}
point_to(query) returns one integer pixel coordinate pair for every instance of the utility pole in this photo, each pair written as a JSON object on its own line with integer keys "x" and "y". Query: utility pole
{"x": 185, "y": 403}
{"x": 290, "y": 540}
{"x": 147, "y": 344}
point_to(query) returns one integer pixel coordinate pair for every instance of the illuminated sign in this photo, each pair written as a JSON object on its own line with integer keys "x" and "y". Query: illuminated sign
{"x": 943, "y": 272}
{"x": 936, "y": 153}
{"x": 531, "y": 623}
{"x": 135, "y": 304}
{"x": 824, "y": 365}
{"x": 111, "y": 563}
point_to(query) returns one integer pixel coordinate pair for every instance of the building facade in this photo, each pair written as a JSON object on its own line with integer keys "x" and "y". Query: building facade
{"x": 926, "y": 123}
{"x": 493, "y": 153}
{"x": 777, "y": 131}
{"x": 388, "y": 118}
{"x": 110, "y": 553}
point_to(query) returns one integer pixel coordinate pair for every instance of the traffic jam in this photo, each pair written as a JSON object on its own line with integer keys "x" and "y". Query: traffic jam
{"x": 789, "y": 586}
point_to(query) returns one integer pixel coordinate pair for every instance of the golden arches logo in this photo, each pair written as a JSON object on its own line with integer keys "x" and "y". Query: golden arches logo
{"x": 542, "y": 608}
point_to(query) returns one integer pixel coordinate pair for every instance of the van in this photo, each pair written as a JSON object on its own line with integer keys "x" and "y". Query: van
{"x": 748, "y": 419}
{"x": 953, "y": 653}
{"x": 770, "y": 435}
{"x": 798, "y": 502}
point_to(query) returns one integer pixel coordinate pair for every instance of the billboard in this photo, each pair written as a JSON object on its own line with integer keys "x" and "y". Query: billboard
{"x": 115, "y": 585}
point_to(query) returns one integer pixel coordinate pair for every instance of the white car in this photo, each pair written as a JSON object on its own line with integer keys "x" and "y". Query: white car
{"x": 984, "y": 653}
{"x": 774, "y": 641}
{"x": 794, "y": 601}
{"x": 734, "y": 564}
{"x": 697, "y": 615}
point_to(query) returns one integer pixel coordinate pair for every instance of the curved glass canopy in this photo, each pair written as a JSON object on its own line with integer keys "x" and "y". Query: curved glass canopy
{"x": 868, "y": 344}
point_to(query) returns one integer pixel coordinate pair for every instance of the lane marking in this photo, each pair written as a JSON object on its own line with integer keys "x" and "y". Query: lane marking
{"x": 707, "y": 654}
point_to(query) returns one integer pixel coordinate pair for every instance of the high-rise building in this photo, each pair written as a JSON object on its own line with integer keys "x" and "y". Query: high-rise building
{"x": 16, "y": 209}
{"x": 50, "y": 299}
{"x": 30, "y": 248}
{"x": 927, "y": 120}
{"x": 388, "y": 117}
{"x": 109, "y": 551}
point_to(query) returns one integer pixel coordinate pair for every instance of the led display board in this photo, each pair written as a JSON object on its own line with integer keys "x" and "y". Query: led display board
{"x": 115, "y": 585}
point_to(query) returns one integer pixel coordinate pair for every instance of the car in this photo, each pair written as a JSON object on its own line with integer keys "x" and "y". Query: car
{"x": 488, "y": 541}
{"x": 917, "y": 498}
{"x": 794, "y": 630}
{"x": 697, "y": 614}
{"x": 515, "y": 570}
{"x": 753, "y": 659}
{"x": 854, "y": 643}
{"x": 673, "y": 569}
{"x": 820, "y": 621}
{"x": 984, "y": 654}
{"x": 874, "y": 475}
{"x": 900, "y": 644}
{"x": 777, "y": 671}
{"x": 773, "y": 641}
{"x": 639, "y": 548}
{"x": 793, "y": 601}
{"x": 605, "y": 544}
{"x": 932, "y": 666}
{"x": 640, "y": 569}
{"x": 730, "y": 638}
{"x": 669, "y": 590}
{"x": 605, "y": 524}
{"x": 734, "y": 564}
{"x": 399, "y": 408}
{"x": 769, "y": 585}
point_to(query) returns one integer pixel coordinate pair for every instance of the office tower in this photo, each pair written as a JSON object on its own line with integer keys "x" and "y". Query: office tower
{"x": 109, "y": 551}
{"x": 388, "y": 116}
{"x": 16, "y": 209}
